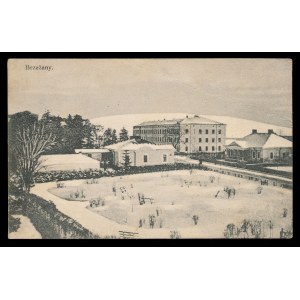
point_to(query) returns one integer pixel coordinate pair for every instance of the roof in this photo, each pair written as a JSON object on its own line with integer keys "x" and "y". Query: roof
{"x": 254, "y": 140}
{"x": 151, "y": 146}
{"x": 262, "y": 140}
{"x": 121, "y": 144}
{"x": 160, "y": 122}
{"x": 276, "y": 141}
{"x": 63, "y": 159}
{"x": 200, "y": 120}
{"x": 91, "y": 150}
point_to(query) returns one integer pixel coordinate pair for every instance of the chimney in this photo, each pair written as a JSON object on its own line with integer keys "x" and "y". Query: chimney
{"x": 270, "y": 131}
{"x": 254, "y": 131}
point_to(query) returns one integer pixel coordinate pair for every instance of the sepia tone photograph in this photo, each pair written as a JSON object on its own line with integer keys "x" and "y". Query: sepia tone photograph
{"x": 194, "y": 148}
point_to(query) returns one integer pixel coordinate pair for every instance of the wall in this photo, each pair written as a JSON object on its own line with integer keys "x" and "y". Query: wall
{"x": 277, "y": 153}
{"x": 155, "y": 157}
{"x": 193, "y": 136}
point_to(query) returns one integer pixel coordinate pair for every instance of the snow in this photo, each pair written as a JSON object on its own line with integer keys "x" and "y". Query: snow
{"x": 286, "y": 169}
{"x": 175, "y": 201}
{"x": 236, "y": 127}
{"x": 25, "y": 231}
{"x": 58, "y": 162}
{"x": 275, "y": 141}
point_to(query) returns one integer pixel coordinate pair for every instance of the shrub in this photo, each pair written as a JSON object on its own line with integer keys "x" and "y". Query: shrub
{"x": 13, "y": 223}
{"x": 174, "y": 234}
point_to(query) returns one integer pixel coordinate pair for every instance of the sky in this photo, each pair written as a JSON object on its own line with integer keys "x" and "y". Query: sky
{"x": 254, "y": 89}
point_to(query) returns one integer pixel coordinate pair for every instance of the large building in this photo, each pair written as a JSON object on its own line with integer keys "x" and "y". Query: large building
{"x": 260, "y": 147}
{"x": 190, "y": 135}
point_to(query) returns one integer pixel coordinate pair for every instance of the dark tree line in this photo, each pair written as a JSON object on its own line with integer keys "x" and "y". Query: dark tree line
{"x": 30, "y": 137}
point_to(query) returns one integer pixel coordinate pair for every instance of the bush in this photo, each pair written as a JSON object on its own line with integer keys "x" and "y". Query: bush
{"x": 13, "y": 223}
{"x": 51, "y": 223}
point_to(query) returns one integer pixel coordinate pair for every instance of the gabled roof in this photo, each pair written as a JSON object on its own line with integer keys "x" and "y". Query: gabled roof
{"x": 262, "y": 140}
{"x": 200, "y": 120}
{"x": 275, "y": 141}
{"x": 160, "y": 122}
{"x": 239, "y": 143}
{"x": 256, "y": 140}
{"x": 121, "y": 144}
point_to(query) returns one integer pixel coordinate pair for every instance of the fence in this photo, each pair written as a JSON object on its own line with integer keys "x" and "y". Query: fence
{"x": 51, "y": 223}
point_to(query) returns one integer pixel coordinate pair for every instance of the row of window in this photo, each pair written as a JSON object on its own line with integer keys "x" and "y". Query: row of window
{"x": 161, "y": 139}
{"x": 206, "y": 148}
{"x": 159, "y": 131}
{"x": 206, "y": 131}
{"x": 206, "y": 140}
{"x": 173, "y": 131}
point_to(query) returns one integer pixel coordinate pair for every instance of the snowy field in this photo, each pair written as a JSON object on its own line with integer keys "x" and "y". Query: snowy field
{"x": 285, "y": 169}
{"x": 174, "y": 200}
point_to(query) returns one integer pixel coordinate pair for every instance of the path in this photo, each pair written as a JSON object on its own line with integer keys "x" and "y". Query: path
{"x": 25, "y": 231}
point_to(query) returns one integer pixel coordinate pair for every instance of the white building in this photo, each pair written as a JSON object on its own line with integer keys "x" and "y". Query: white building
{"x": 144, "y": 154}
{"x": 190, "y": 135}
{"x": 199, "y": 134}
{"x": 260, "y": 147}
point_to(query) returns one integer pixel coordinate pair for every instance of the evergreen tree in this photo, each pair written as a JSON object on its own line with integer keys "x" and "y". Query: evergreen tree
{"x": 123, "y": 135}
{"x": 109, "y": 137}
{"x": 126, "y": 160}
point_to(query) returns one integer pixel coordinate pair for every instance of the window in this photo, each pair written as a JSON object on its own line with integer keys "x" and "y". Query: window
{"x": 253, "y": 154}
{"x": 219, "y": 148}
{"x": 220, "y": 131}
{"x": 213, "y": 140}
{"x": 200, "y": 131}
{"x": 200, "y": 140}
{"x": 145, "y": 158}
{"x": 186, "y": 149}
{"x": 219, "y": 140}
{"x": 213, "y": 131}
{"x": 200, "y": 149}
{"x": 212, "y": 148}
{"x": 164, "y": 157}
{"x": 206, "y": 140}
{"x": 271, "y": 155}
{"x": 186, "y": 140}
{"x": 186, "y": 131}
{"x": 206, "y": 148}
{"x": 206, "y": 131}
{"x": 258, "y": 154}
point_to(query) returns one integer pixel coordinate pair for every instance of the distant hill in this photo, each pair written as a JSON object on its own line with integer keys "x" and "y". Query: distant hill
{"x": 236, "y": 127}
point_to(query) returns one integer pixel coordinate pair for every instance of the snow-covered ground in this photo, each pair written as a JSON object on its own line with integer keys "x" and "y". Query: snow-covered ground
{"x": 25, "y": 231}
{"x": 177, "y": 196}
{"x": 286, "y": 169}
{"x": 236, "y": 127}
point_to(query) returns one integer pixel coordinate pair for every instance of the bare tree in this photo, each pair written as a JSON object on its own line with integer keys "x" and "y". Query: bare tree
{"x": 31, "y": 142}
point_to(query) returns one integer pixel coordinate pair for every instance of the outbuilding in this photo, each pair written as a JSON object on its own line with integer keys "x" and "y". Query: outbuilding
{"x": 67, "y": 162}
{"x": 142, "y": 154}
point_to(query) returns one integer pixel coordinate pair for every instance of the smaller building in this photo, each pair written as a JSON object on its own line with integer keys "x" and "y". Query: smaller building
{"x": 260, "y": 147}
{"x": 67, "y": 162}
{"x": 142, "y": 154}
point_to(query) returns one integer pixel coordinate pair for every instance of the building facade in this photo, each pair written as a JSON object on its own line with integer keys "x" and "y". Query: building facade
{"x": 260, "y": 147}
{"x": 190, "y": 135}
{"x": 142, "y": 154}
